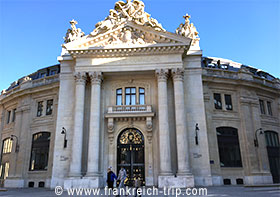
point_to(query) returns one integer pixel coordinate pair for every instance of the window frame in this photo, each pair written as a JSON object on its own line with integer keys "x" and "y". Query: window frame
{"x": 269, "y": 108}
{"x": 230, "y": 102}
{"x": 229, "y": 147}
{"x": 141, "y": 94}
{"x": 216, "y": 105}
{"x": 262, "y": 107}
{"x": 40, "y": 150}
{"x": 130, "y": 94}
{"x": 7, "y": 145}
{"x": 49, "y": 107}
{"x": 40, "y": 106}
{"x": 119, "y": 95}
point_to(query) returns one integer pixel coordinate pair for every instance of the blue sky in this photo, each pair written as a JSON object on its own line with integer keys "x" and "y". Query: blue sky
{"x": 245, "y": 31}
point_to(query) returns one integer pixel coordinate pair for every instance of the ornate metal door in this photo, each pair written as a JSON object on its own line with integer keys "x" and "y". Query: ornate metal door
{"x": 131, "y": 155}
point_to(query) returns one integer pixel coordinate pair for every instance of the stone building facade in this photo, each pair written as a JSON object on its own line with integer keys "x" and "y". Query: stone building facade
{"x": 130, "y": 94}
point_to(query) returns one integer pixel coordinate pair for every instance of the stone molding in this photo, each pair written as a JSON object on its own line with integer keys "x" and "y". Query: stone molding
{"x": 95, "y": 77}
{"x": 178, "y": 74}
{"x": 80, "y": 78}
{"x": 162, "y": 74}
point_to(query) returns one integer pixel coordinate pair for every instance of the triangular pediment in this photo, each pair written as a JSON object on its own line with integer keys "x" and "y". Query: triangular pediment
{"x": 128, "y": 35}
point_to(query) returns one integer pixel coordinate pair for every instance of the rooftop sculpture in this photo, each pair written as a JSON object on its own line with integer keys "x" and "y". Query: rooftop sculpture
{"x": 73, "y": 33}
{"x": 129, "y": 11}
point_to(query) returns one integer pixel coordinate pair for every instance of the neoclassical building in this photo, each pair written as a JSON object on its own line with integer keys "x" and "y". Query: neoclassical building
{"x": 130, "y": 94}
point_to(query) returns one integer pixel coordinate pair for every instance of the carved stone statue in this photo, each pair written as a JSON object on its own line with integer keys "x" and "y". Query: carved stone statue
{"x": 188, "y": 30}
{"x": 129, "y": 11}
{"x": 73, "y": 33}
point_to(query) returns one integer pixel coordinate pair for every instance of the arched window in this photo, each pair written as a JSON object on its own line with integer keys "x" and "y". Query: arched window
{"x": 40, "y": 151}
{"x": 7, "y": 145}
{"x": 229, "y": 150}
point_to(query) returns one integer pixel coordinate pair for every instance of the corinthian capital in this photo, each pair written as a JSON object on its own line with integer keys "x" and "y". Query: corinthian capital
{"x": 95, "y": 77}
{"x": 162, "y": 74}
{"x": 80, "y": 77}
{"x": 178, "y": 73}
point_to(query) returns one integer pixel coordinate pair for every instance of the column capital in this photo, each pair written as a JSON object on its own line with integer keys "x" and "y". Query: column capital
{"x": 162, "y": 74}
{"x": 80, "y": 77}
{"x": 178, "y": 74}
{"x": 95, "y": 77}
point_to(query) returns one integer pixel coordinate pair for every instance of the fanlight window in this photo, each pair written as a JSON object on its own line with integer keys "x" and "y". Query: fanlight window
{"x": 131, "y": 136}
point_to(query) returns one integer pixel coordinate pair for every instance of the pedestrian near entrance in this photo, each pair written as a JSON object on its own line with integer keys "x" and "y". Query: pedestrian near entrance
{"x": 137, "y": 185}
{"x": 111, "y": 177}
{"x": 122, "y": 177}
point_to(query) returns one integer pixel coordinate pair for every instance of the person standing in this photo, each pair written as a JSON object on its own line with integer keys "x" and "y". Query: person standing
{"x": 111, "y": 177}
{"x": 122, "y": 177}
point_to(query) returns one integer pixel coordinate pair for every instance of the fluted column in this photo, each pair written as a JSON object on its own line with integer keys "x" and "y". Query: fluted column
{"x": 94, "y": 129}
{"x": 76, "y": 159}
{"x": 164, "y": 138}
{"x": 180, "y": 119}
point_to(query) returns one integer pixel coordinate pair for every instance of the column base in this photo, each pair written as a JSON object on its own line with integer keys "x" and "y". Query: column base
{"x": 179, "y": 182}
{"x": 85, "y": 182}
{"x": 13, "y": 182}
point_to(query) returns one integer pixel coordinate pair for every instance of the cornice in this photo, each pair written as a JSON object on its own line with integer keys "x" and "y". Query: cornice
{"x": 133, "y": 51}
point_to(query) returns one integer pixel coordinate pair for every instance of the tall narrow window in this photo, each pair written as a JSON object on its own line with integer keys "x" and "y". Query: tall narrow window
{"x": 7, "y": 145}
{"x": 269, "y": 109}
{"x": 40, "y": 151}
{"x": 262, "y": 106}
{"x": 217, "y": 101}
{"x": 49, "y": 107}
{"x": 228, "y": 144}
{"x": 14, "y": 115}
{"x": 141, "y": 96}
{"x": 8, "y": 117}
{"x": 40, "y": 109}
{"x": 228, "y": 102}
{"x": 130, "y": 96}
{"x": 119, "y": 96}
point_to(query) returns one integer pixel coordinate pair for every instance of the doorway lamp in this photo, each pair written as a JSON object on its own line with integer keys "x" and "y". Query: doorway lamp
{"x": 256, "y": 142}
{"x": 63, "y": 132}
{"x": 17, "y": 145}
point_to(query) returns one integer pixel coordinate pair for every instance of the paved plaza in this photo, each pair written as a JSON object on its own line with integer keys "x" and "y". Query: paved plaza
{"x": 212, "y": 191}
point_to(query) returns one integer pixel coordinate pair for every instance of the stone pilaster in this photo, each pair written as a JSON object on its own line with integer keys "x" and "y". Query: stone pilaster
{"x": 164, "y": 136}
{"x": 181, "y": 128}
{"x": 94, "y": 130}
{"x": 76, "y": 160}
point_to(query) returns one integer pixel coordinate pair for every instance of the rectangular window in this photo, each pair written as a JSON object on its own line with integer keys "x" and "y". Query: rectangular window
{"x": 7, "y": 145}
{"x": 40, "y": 109}
{"x": 130, "y": 96}
{"x": 269, "y": 109}
{"x": 141, "y": 96}
{"x": 217, "y": 101}
{"x": 8, "y": 117}
{"x": 49, "y": 107}
{"x": 52, "y": 72}
{"x": 228, "y": 102}
{"x": 119, "y": 96}
{"x": 14, "y": 115}
{"x": 43, "y": 75}
{"x": 262, "y": 106}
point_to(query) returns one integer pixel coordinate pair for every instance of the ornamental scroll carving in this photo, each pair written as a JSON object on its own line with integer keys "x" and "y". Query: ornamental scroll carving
{"x": 162, "y": 74}
{"x": 129, "y": 11}
{"x": 73, "y": 33}
{"x": 80, "y": 77}
{"x": 188, "y": 30}
{"x": 177, "y": 73}
{"x": 95, "y": 77}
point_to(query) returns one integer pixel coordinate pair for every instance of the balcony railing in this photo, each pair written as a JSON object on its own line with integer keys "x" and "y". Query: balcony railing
{"x": 129, "y": 108}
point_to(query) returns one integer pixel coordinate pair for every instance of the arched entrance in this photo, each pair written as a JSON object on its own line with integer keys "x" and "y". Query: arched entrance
{"x": 131, "y": 154}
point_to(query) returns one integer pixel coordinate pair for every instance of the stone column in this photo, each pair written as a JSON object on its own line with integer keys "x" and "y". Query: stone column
{"x": 94, "y": 129}
{"x": 77, "y": 141}
{"x": 164, "y": 138}
{"x": 181, "y": 127}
